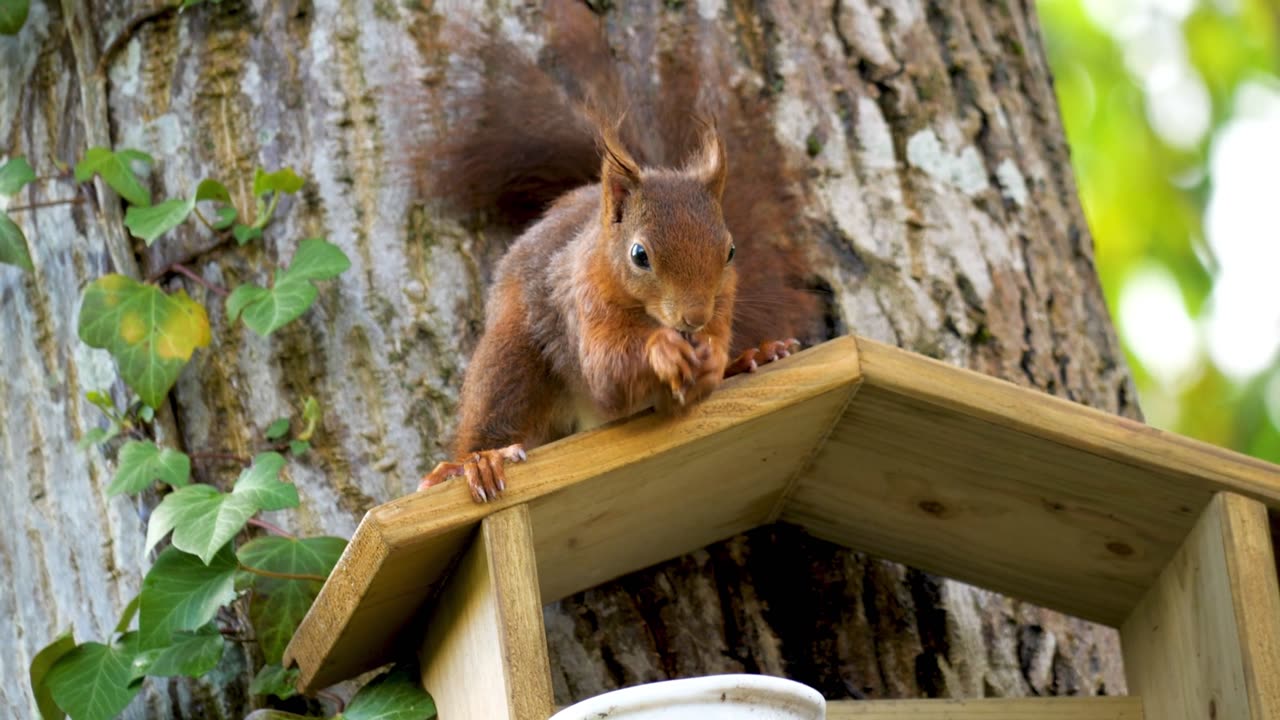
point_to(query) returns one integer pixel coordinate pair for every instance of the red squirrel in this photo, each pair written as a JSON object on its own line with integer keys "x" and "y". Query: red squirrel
{"x": 622, "y": 296}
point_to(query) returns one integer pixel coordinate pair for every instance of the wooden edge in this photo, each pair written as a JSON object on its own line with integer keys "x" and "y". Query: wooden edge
{"x": 336, "y": 602}
{"x": 784, "y": 498}
{"x": 485, "y": 653}
{"x": 1255, "y": 597}
{"x": 1054, "y": 708}
{"x": 421, "y": 519}
{"x": 1066, "y": 422}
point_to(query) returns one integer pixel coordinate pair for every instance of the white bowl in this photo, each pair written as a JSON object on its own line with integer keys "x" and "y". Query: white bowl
{"x": 717, "y": 697}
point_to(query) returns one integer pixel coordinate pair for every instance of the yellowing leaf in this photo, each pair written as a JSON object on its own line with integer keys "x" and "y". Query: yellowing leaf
{"x": 151, "y": 334}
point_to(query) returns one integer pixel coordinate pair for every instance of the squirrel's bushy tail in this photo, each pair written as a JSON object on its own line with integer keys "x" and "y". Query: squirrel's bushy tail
{"x": 528, "y": 133}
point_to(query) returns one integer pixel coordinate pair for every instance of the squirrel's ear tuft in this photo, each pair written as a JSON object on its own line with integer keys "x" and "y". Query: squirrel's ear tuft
{"x": 710, "y": 165}
{"x": 619, "y": 177}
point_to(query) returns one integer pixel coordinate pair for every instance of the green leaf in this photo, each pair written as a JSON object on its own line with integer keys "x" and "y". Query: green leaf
{"x": 212, "y": 190}
{"x": 13, "y": 244}
{"x": 16, "y": 173}
{"x": 298, "y": 447}
{"x": 126, "y": 617}
{"x": 150, "y": 334}
{"x": 242, "y": 297}
{"x": 147, "y": 413}
{"x": 310, "y": 416}
{"x": 41, "y": 664}
{"x": 317, "y": 259}
{"x": 189, "y": 653}
{"x": 244, "y": 233}
{"x": 396, "y": 695}
{"x": 150, "y": 223}
{"x": 278, "y": 605}
{"x": 181, "y": 592}
{"x": 203, "y": 519}
{"x": 275, "y": 680}
{"x": 224, "y": 218}
{"x": 115, "y": 170}
{"x": 283, "y": 180}
{"x": 266, "y": 311}
{"x": 93, "y": 681}
{"x": 283, "y": 304}
{"x": 278, "y": 428}
{"x": 142, "y": 463}
{"x": 97, "y": 436}
{"x": 102, "y": 400}
{"x": 13, "y": 14}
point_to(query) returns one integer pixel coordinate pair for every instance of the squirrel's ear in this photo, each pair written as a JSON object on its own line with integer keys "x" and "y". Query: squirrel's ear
{"x": 710, "y": 165}
{"x": 619, "y": 177}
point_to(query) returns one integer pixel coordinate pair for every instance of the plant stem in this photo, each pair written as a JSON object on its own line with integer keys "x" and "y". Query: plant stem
{"x": 203, "y": 221}
{"x": 45, "y": 203}
{"x": 186, "y": 271}
{"x": 273, "y": 529}
{"x": 280, "y": 575}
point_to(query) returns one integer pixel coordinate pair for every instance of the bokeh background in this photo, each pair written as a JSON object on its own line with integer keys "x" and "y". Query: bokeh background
{"x": 1172, "y": 111}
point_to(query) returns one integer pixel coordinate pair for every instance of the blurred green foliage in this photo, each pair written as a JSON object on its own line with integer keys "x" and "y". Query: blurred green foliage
{"x": 1146, "y": 190}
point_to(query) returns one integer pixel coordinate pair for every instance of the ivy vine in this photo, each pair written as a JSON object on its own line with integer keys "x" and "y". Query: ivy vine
{"x": 181, "y": 621}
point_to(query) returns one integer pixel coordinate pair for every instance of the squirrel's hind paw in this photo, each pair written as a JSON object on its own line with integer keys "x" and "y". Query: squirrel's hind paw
{"x": 768, "y": 351}
{"x": 483, "y": 469}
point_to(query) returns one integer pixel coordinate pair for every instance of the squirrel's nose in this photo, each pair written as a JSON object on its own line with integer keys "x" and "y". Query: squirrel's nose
{"x": 694, "y": 320}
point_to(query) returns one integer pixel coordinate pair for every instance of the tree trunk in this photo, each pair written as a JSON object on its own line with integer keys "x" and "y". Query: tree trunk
{"x": 938, "y": 207}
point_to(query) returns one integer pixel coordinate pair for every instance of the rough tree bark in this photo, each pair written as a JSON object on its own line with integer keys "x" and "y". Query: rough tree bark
{"x": 938, "y": 204}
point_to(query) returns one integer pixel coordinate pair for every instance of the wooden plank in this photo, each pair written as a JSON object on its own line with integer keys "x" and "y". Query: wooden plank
{"x": 1007, "y": 488}
{"x": 402, "y": 548}
{"x": 937, "y": 384}
{"x": 485, "y": 651}
{"x": 1065, "y": 708}
{"x": 1205, "y": 641}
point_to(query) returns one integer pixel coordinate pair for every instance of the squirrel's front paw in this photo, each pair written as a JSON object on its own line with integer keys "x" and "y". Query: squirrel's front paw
{"x": 483, "y": 470}
{"x": 674, "y": 360}
{"x": 768, "y": 351}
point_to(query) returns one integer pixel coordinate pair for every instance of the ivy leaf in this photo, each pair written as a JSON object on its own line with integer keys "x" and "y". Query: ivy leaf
{"x": 298, "y": 447}
{"x": 142, "y": 463}
{"x": 203, "y": 519}
{"x": 189, "y": 653}
{"x": 147, "y": 413}
{"x": 150, "y": 334}
{"x": 93, "y": 681}
{"x": 283, "y": 180}
{"x": 180, "y": 592}
{"x": 275, "y": 680}
{"x": 224, "y": 218}
{"x": 97, "y": 436}
{"x": 115, "y": 170}
{"x": 126, "y": 617}
{"x": 16, "y": 173}
{"x": 13, "y": 15}
{"x": 317, "y": 259}
{"x": 102, "y": 400}
{"x": 396, "y": 695}
{"x": 242, "y": 297}
{"x": 150, "y": 223}
{"x": 209, "y": 189}
{"x": 278, "y": 604}
{"x": 280, "y": 306}
{"x": 278, "y": 428}
{"x": 13, "y": 244}
{"x": 244, "y": 233}
{"x": 41, "y": 664}
{"x": 266, "y": 311}
{"x": 310, "y": 416}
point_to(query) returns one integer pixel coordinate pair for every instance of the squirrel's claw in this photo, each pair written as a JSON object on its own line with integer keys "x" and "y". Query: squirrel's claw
{"x": 486, "y": 477}
{"x": 752, "y": 358}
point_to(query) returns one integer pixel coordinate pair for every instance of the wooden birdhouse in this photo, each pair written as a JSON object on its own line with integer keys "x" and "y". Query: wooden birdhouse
{"x": 868, "y": 446}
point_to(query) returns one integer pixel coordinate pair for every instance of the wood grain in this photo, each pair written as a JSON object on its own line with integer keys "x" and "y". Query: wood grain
{"x": 1205, "y": 641}
{"x": 1074, "y": 708}
{"x": 644, "y": 470}
{"x": 486, "y": 631}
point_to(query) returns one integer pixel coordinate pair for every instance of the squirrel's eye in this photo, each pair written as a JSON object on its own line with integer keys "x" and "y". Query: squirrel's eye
{"x": 732, "y": 251}
{"x": 639, "y": 256}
